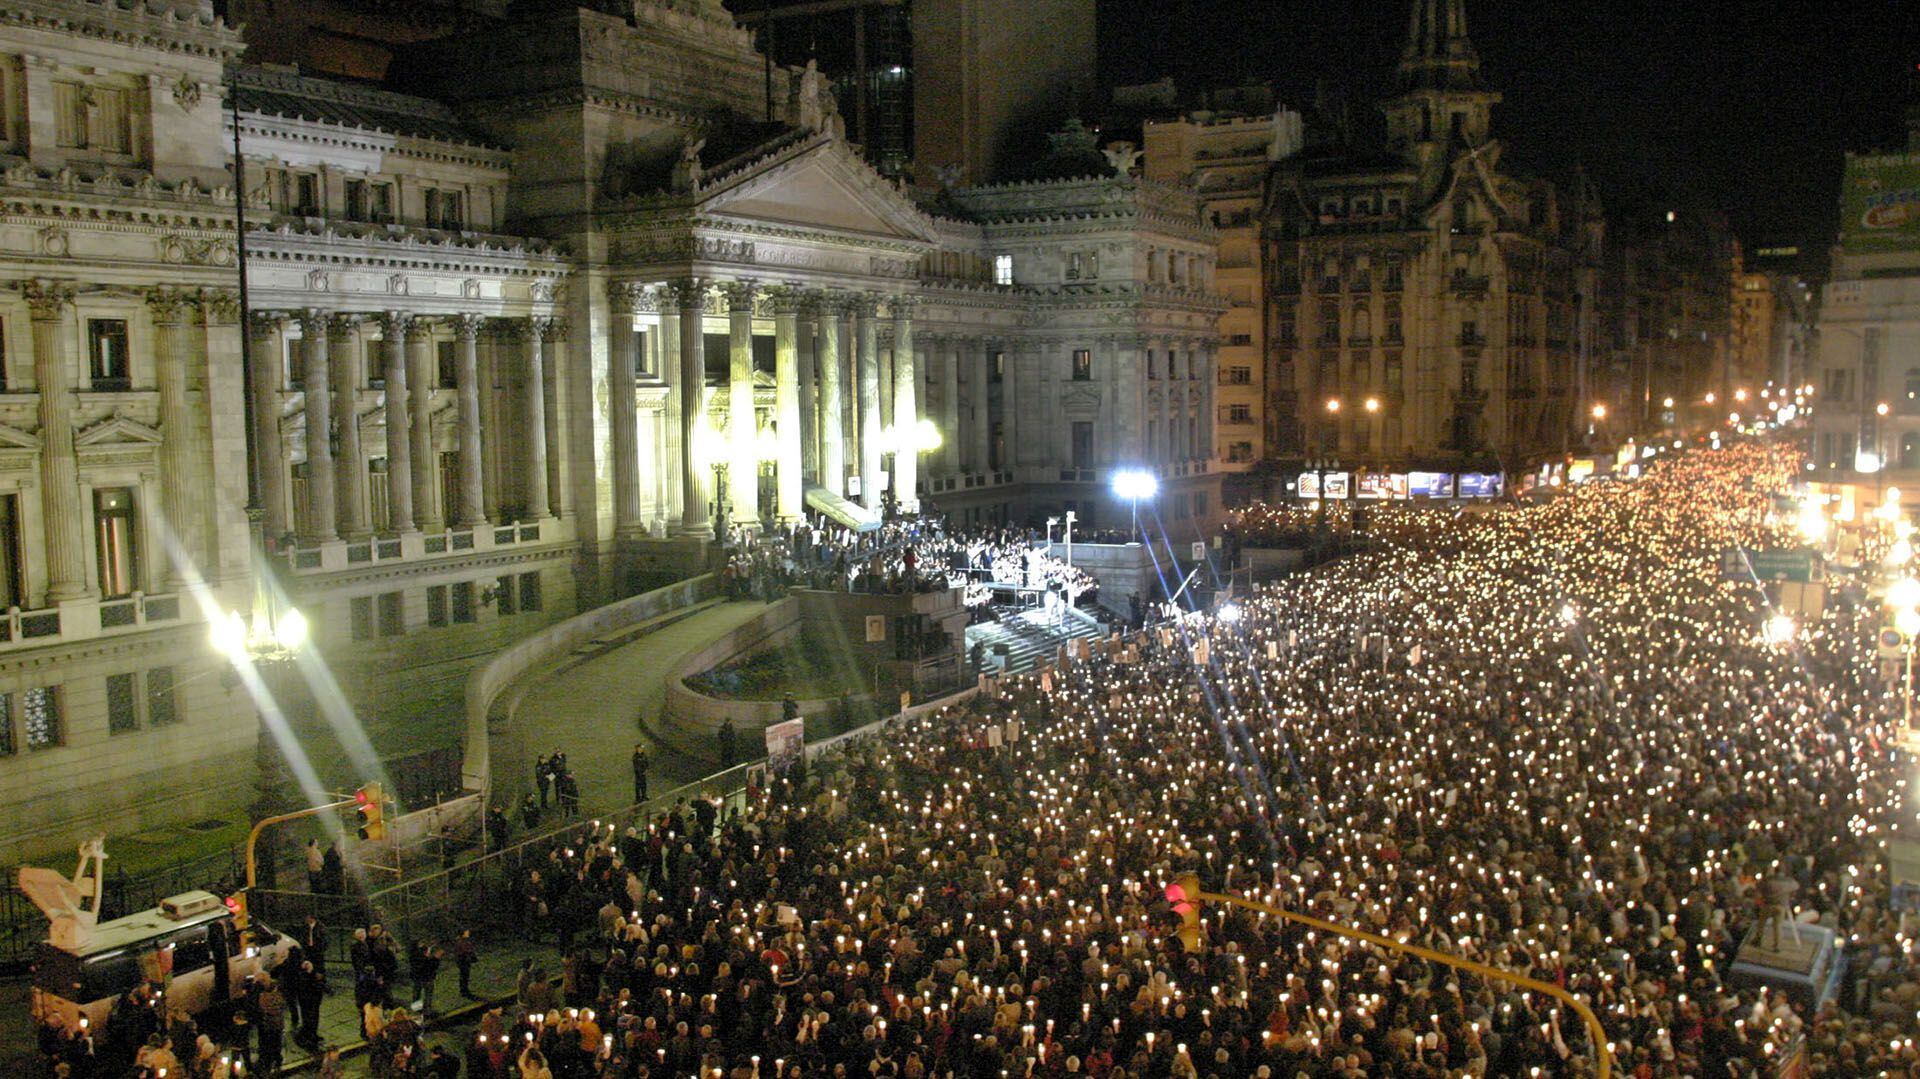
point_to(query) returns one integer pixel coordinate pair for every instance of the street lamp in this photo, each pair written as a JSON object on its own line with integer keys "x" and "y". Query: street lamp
{"x": 1373, "y": 404}
{"x": 1778, "y": 630}
{"x": 1600, "y": 411}
{"x": 1134, "y": 484}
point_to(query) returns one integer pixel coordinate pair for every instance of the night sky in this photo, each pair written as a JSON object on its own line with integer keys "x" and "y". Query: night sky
{"x": 1743, "y": 107}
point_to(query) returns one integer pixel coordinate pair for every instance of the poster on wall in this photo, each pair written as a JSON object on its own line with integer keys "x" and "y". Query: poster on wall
{"x": 876, "y": 628}
{"x": 786, "y": 745}
{"x": 1309, "y": 486}
{"x": 1379, "y": 486}
{"x": 1337, "y": 485}
{"x": 1430, "y": 484}
{"x": 1479, "y": 485}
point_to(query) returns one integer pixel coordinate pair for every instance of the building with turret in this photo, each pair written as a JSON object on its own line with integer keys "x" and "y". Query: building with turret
{"x": 1427, "y": 306}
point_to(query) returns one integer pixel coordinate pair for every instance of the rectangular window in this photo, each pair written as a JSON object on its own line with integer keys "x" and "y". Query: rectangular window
{"x": 306, "y": 195}
{"x": 40, "y": 716}
{"x": 109, "y": 129}
{"x": 463, "y": 601}
{"x": 7, "y": 745}
{"x": 360, "y": 615}
{"x": 1003, "y": 269}
{"x": 380, "y": 511}
{"x": 393, "y": 621}
{"x": 109, "y": 366}
{"x": 530, "y": 591}
{"x": 444, "y": 209}
{"x": 997, "y": 367}
{"x": 447, "y": 362}
{"x": 506, "y": 596}
{"x": 293, "y": 361}
{"x": 1239, "y": 376}
{"x": 70, "y": 114}
{"x": 1082, "y": 444}
{"x": 1239, "y": 413}
{"x": 162, "y": 710}
{"x": 436, "y": 605}
{"x": 356, "y": 200}
{"x": 1082, "y": 365}
{"x": 380, "y": 203}
{"x": 375, "y": 362}
{"x": 123, "y": 707}
{"x": 1199, "y": 503}
{"x": 13, "y": 576}
{"x": 116, "y": 541}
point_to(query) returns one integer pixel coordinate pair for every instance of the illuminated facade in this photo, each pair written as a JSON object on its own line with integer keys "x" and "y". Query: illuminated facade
{"x": 521, "y": 336}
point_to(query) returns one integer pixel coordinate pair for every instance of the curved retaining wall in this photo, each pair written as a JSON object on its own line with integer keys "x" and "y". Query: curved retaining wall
{"x": 489, "y": 680}
{"x": 770, "y": 629}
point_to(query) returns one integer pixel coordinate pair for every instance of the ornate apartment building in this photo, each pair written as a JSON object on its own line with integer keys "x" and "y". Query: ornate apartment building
{"x": 519, "y": 331}
{"x": 1226, "y": 157}
{"x": 1425, "y": 306}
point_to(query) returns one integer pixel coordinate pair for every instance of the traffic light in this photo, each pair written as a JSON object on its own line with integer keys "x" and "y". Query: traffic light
{"x": 371, "y": 802}
{"x": 1184, "y": 894}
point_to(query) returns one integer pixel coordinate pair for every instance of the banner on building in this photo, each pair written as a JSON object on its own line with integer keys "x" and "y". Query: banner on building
{"x": 1430, "y": 484}
{"x": 1880, "y": 202}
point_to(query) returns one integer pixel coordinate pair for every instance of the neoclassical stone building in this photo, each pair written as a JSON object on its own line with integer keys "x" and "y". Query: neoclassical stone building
{"x": 518, "y": 334}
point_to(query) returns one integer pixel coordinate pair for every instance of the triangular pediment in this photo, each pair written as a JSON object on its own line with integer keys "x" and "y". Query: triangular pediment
{"x": 817, "y": 186}
{"x": 12, "y": 438}
{"x": 114, "y": 429}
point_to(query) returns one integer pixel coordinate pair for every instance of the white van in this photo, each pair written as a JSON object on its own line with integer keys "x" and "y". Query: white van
{"x": 83, "y": 966}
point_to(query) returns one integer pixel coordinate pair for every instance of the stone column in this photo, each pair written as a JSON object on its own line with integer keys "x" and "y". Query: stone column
{"x": 350, "y": 470}
{"x": 180, "y": 483}
{"x": 690, "y": 297}
{"x": 422, "y": 458}
{"x": 981, "y": 389}
{"x": 1013, "y": 383}
{"x": 789, "y": 468}
{"x": 1129, "y": 390}
{"x": 393, "y": 353}
{"x": 315, "y": 356}
{"x": 533, "y": 417}
{"x": 833, "y": 446}
{"x": 623, "y": 416}
{"x": 868, "y": 386}
{"x": 743, "y": 465}
{"x": 885, "y": 354}
{"x": 1209, "y": 398}
{"x": 50, "y": 305}
{"x": 807, "y": 376}
{"x": 471, "y": 510}
{"x": 264, "y": 402}
{"x": 673, "y": 457}
{"x": 906, "y": 408}
{"x": 950, "y": 435}
{"x": 493, "y": 339}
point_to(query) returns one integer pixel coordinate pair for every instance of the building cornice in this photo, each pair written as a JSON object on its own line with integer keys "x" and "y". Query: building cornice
{"x": 184, "y": 28}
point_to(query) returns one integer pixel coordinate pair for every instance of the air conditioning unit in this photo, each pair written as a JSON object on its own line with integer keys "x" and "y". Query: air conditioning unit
{"x": 189, "y": 904}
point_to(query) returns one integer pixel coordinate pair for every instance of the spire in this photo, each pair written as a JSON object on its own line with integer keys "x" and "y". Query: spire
{"x": 1438, "y": 55}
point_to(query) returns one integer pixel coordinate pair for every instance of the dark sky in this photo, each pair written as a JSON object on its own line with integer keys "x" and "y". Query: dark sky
{"x": 1738, "y": 105}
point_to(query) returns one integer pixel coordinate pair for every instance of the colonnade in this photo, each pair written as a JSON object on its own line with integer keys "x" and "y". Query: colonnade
{"x": 506, "y": 445}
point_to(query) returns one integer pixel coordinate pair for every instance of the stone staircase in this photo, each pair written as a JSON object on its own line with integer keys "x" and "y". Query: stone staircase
{"x": 1029, "y": 638}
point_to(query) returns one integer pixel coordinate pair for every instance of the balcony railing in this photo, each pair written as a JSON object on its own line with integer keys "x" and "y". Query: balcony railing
{"x": 76, "y": 621}
{"x": 356, "y": 554}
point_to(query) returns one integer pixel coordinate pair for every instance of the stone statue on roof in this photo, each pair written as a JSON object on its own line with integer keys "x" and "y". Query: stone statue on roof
{"x": 686, "y": 171}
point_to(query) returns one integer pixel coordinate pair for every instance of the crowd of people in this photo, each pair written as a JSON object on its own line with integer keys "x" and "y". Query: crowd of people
{"x": 1573, "y": 755}
{"x": 904, "y": 555}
